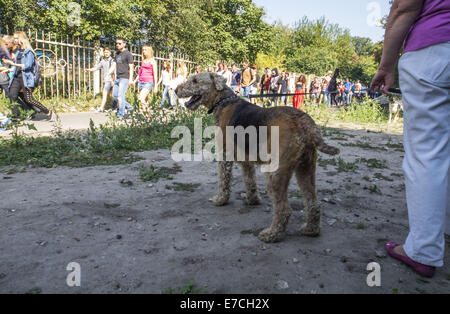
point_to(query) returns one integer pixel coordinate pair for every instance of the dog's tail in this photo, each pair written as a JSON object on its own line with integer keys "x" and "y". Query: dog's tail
{"x": 320, "y": 144}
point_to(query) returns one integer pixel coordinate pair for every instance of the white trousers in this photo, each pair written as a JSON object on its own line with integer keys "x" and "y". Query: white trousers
{"x": 425, "y": 85}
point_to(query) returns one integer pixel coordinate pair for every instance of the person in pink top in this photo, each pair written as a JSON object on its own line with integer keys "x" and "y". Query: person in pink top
{"x": 424, "y": 74}
{"x": 147, "y": 76}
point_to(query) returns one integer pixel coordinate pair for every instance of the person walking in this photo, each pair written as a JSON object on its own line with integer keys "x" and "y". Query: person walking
{"x": 284, "y": 88}
{"x": 166, "y": 78}
{"x": 227, "y": 74}
{"x": 424, "y": 28}
{"x": 124, "y": 69}
{"x": 247, "y": 80}
{"x": 255, "y": 85}
{"x": 274, "y": 86}
{"x": 147, "y": 76}
{"x": 327, "y": 79}
{"x": 236, "y": 78}
{"x": 24, "y": 80}
{"x": 4, "y": 68}
{"x": 348, "y": 92}
{"x": 299, "y": 97}
{"x": 105, "y": 65}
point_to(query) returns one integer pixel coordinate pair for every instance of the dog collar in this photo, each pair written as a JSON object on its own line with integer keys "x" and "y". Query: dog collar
{"x": 221, "y": 102}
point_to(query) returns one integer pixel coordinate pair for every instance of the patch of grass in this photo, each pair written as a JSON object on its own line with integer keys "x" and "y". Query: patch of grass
{"x": 35, "y": 290}
{"x": 374, "y": 189}
{"x": 154, "y": 174}
{"x": 325, "y": 162}
{"x": 188, "y": 187}
{"x": 187, "y": 289}
{"x": 373, "y": 163}
{"x": 109, "y": 144}
{"x": 295, "y": 194}
{"x": 397, "y": 147}
{"x": 379, "y": 176}
{"x": 15, "y": 170}
{"x": 360, "y": 226}
{"x": 363, "y": 145}
{"x": 343, "y": 166}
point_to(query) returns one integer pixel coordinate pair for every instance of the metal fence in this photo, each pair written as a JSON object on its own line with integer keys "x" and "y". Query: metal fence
{"x": 63, "y": 60}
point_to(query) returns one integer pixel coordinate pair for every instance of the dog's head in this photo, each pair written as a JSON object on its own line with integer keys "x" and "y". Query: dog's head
{"x": 203, "y": 88}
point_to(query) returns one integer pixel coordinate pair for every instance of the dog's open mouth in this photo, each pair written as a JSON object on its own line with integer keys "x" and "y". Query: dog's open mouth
{"x": 193, "y": 102}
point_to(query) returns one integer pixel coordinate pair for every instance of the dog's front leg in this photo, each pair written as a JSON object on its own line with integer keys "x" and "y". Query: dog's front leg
{"x": 249, "y": 176}
{"x": 225, "y": 178}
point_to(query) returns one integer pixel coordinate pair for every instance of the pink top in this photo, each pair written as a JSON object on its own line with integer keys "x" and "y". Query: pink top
{"x": 432, "y": 26}
{"x": 146, "y": 73}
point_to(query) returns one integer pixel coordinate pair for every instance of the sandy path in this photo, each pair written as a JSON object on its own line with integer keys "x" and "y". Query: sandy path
{"x": 145, "y": 238}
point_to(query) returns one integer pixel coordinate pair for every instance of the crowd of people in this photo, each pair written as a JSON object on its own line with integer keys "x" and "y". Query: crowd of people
{"x": 18, "y": 80}
{"x": 286, "y": 88}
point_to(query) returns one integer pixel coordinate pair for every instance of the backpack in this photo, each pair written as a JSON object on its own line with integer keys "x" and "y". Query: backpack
{"x": 36, "y": 69}
{"x": 36, "y": 72}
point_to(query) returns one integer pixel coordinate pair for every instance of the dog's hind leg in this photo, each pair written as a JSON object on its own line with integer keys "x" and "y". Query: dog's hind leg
{"x": 277, "y": 188}
{"x": 249, "y": 176}
{"x": 306, "y": 178}
{"x": 225, "y": 178}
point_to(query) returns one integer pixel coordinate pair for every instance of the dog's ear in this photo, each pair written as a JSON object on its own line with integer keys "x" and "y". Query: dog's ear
{"x": 219, "y": 81}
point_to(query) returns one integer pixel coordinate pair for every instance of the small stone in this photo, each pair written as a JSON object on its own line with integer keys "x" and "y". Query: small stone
{"x": 130, "y": 219}
{"x": 295, "y": 260}
{"x": 282, "y": 285}
{"x": 343, "y": 259}
{"x": 380, "y": 254}
{"x": 328, "y": 251}
{"x": 331, "y": 221}
{"x": 118, "y": 237}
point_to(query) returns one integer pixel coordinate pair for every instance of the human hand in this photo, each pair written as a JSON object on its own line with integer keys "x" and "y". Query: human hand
{"x": 383, "y": 80}
{"x": 7, "y": 61}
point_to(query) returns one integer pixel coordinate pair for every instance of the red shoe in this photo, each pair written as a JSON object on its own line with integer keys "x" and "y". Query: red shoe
{"x": 421, "y": 269}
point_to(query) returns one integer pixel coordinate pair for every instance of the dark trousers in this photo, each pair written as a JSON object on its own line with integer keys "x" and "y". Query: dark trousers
{"x": 5, "y": 89}
{"x": 22, "y": 95}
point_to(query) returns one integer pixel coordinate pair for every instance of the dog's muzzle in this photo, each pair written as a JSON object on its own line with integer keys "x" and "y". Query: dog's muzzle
{"x": 193, "y": 102}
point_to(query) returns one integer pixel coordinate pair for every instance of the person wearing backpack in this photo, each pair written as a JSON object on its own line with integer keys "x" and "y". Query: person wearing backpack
{"x": 25, "y": 78}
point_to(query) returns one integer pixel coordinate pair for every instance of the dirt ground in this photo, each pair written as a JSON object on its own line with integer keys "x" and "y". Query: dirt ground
{"x": 130, "y": 236}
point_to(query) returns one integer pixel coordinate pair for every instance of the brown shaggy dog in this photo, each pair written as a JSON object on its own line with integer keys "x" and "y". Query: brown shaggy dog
{"x": 298, "y": 142}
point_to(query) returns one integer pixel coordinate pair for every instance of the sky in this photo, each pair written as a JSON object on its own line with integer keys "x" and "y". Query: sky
{"x": 359, "y": 16}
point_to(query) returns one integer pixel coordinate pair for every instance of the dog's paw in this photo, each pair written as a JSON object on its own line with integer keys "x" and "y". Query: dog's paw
{"x": 253, "y": 200}
{"x": 219, "y": 200}
{"x": 310, "y": 231}
{"x": 268, "y": 236}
